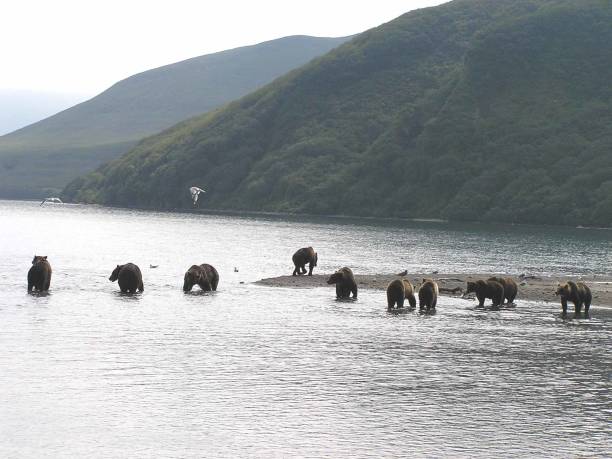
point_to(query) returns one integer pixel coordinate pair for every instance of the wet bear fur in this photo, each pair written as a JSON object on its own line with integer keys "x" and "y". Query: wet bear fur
{"x": 303, "y": 256}
{"x": 129, "y": 277}
{"x": 204, "y": 275}
{"x": 39, "y": 274}
{"x": 487, "y": 289}
{"x": 345, "y": 283}
{"x": 428, "y": 295}
{"x": 510, "y": 287}
{"x": 399, "y": 290}
{"x": 576, "y": 292}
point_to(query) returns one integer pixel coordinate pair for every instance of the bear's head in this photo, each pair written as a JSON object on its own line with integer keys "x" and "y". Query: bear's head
{"x": 39, "y": 259}
{"x": 193, "y": 276}
{"x": 115, "y": 274}
{"x": 471, "y": 287}
{"x": 564, "y": 290}
{"x": 335, "y": 277}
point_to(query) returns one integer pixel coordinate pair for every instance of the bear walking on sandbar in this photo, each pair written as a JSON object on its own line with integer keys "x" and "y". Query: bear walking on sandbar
{"x": 345, "y": 283}
{"x": 428, "y": 295}
{"x": 399, "y": 290}
{"x": 303, "y": 256}
{"x": 510, "y": 287}
{"x": 487, "y": 289}
{"x": 129, "y": 277}
{"x": 576, "y": 292}
{"x": 39, "y": 274}
{"x": 204, "y": 275}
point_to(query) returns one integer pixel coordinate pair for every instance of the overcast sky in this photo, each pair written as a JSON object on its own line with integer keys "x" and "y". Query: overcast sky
{"x": 84, "y": 46}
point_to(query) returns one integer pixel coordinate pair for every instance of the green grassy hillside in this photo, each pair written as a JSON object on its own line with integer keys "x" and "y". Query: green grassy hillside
{"x": 475, "y": 110}
{"x": 42, "y": 158}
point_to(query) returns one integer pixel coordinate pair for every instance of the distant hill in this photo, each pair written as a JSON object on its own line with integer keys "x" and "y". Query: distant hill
{"x": 473, "y": 110}
{"x": 23, "y": 107}
{"x": 42, "y": 158}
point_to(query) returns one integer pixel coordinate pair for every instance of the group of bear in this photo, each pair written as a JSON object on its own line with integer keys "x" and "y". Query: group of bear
{"x": 128, "y": 276}
{"x": 498, "y": 289}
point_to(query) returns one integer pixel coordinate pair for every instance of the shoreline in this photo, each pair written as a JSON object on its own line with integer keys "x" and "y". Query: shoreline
{"x": 299, "y": 215}
{"x": 531, "y": 288}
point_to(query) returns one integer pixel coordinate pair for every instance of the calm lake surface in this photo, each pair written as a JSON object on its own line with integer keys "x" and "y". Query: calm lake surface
{"x": 274, "y": 372}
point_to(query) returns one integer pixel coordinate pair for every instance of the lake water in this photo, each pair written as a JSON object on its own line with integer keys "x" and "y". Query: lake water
{"x": 274, "y": 372}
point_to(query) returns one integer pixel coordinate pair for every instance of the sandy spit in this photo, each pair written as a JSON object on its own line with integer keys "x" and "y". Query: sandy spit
{"x": 531, "y": 288}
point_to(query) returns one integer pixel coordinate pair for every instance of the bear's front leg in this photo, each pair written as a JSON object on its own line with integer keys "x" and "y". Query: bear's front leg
{"x": 481, "y": 300}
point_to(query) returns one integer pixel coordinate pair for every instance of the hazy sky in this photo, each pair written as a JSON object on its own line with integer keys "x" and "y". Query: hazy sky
{"x": 84, "y": 46}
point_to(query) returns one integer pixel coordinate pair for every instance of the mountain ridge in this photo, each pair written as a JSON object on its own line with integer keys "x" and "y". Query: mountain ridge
{"x": 472, "y": 110}
{"x": 107, "y": 125}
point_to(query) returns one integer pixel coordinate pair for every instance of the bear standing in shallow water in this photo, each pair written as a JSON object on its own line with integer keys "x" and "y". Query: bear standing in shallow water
{"x": 204, "y": 275}
{"x": 487, "y": 289}
{"x": 576, "y": 292}
{"x": 399, "y": 290}
{"x": 345, "y": 283}
{"x": 428, "y": 295}
{"x": 510, "y": 287}
{"x": 303, "y": 256}
{"x": 129, "y": 277}
{"x": 39, "y": 275}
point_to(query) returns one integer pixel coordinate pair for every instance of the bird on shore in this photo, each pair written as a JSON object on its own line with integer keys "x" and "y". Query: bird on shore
{"x": 403, "y": 273}
{"x": 153, "y": 266}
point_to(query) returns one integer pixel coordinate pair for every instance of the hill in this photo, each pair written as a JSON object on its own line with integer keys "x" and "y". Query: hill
{"x": 472, "y": 110}
{"x": 42, "y": 158}
{"x": 22, "y": 107}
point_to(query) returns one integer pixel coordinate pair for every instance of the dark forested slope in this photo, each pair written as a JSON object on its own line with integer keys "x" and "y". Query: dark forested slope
{"x": 43, "y": 157}
{"x": 474, "y": 110}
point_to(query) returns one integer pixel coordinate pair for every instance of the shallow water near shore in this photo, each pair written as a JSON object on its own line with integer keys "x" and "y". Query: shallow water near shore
{"x": 252, "y": 370}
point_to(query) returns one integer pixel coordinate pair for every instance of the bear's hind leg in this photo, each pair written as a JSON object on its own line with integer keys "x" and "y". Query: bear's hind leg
{"x": 577, "y": 307}
{"x": 412, "y": 301}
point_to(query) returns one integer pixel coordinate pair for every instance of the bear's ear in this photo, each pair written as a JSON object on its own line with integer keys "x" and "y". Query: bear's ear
{"x": 45, "y": 257}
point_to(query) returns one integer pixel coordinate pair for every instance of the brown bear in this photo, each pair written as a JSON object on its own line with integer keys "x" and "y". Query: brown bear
{"x": 345, "y": 283}
{"x": 487, "y": 289}
{"x": 39, "y": 275}
{"x": 204, "y": 275}
{"x": 129, "y": 277}
{"x": 576, "y": 292}
{"x": 399, "y": 290}
{"x": 303, "y": 256}
{"x": 428, "y": 295}
{"x": 510, "y": 287}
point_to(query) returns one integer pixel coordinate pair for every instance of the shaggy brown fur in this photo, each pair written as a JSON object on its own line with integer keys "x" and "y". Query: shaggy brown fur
{"x": 345, "y": 283}
{"x": 39, "y": 275}
{"x": 576, "y": 292}
{"x": 487, "y": 289}
{"x": 428, "y": 294}
{"x": 303, "y": 256}
{"x": 399, "y": 290}
{"x": 204, "y": 275}
{"x": 510, "y": 287}
{"x": 129, "y": 277}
